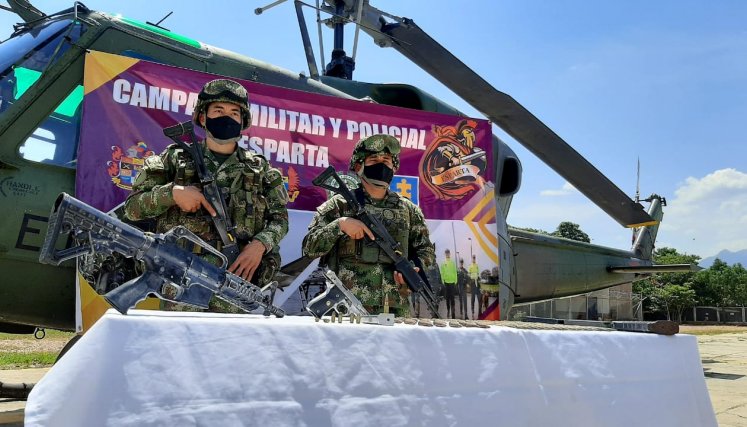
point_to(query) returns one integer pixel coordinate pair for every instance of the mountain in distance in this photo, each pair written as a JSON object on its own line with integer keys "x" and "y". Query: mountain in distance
{"x": 726, "y": 256}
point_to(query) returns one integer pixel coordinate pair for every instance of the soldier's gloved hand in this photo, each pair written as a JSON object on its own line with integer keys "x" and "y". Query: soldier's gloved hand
{"x": 248, "y": 260}
{"x": 354, "y": 228}
{"x": 190, "y": 199}
{"x": 402, "y": 288}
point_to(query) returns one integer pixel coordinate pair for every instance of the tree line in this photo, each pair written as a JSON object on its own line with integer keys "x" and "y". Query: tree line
{"x": 566, "y": 229}
{"x": 669, "y": 294}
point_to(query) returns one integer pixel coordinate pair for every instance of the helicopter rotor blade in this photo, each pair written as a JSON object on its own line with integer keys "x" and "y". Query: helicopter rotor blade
{"x": 412, "y": 42}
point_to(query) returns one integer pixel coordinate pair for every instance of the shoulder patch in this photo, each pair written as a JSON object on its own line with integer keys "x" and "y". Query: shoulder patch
{"x": 154, "y": 162}
{"x": 251, "y": 157}
{"x": 334, "y": 205}
{"x": 326, "y": 207}
{"x": 407, "y": 202}
{"x": 273, "y": 178}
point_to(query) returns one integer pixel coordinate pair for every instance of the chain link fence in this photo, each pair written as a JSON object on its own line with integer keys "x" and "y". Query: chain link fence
{"x": 616, "y": 303}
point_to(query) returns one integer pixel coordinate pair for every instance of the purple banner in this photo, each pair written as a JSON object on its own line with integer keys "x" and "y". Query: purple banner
{"x": 445, "y": 160}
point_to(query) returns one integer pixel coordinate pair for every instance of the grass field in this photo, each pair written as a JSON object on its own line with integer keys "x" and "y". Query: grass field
{"x": 25, "y": 351}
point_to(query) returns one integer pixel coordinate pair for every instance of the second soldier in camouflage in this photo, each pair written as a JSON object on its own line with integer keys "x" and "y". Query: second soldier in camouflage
{"x": 345, "y": 244}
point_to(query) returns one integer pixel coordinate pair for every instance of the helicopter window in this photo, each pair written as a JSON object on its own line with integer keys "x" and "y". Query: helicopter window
{"x": 56, "y": 139}
{"x": 25, "y": 56}
{"x": 23, "y": 59}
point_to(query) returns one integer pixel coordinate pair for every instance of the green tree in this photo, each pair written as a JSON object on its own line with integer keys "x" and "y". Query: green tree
{"x": 661, "y": 292}
{"x": 668, "y": 256}
{"x": 721, "y": 285}
{"x": 705, "y": 293}
{"x": 727, "y": 284}
{"x": 570, "y": 230}
{"x": 675, "y": 299}
{"x": 533, "y": 230}
{"x": 739, "y": 291}
{"x": 647, "y": 288}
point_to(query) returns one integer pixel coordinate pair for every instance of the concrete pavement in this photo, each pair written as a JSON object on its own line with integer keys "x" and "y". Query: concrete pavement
{"x": 724, "y": 359}
{"x": 11, "y": 411}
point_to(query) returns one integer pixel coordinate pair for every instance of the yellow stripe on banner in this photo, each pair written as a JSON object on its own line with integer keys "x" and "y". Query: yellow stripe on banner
{"x": 492, "y": 254}
{"x": 93, "y": 305}
{"x": 469, "y": 219}
{"x": 101, "y": 67}
{"x": 482, "y": 223}
{"x": 476, "y": 210}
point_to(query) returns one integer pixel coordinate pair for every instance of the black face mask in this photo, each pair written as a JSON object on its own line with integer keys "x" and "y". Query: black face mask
{"x": 378, "y": 174}
{"x": 223, "y": 129}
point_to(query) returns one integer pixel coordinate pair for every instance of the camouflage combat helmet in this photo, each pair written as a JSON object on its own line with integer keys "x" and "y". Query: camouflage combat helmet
{"x": 223, "y": 90}
{"x": 376, "y": 144}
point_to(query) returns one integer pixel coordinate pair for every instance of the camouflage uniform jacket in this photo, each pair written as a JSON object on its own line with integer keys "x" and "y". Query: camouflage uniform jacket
{"x": 254, "y": 192}
{"x": 360, "y": 264}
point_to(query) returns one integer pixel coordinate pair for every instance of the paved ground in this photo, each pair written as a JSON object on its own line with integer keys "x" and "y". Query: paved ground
{"x": 724, "y": 359}
{"x": 11, "y": 411}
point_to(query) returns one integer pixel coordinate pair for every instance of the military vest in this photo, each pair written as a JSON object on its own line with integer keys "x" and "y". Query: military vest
{"x": 395, "y": 216}
{"x": 240, "y": 182}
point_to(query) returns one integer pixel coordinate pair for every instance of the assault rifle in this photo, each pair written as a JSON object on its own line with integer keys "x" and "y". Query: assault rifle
{"x": 390, "y": 246}
{"x": 209, "y": 186}
{"x": 171, "y": 272}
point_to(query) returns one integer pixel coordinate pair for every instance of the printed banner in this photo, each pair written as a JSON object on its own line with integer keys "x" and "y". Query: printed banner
{"x": 446, "y": 162}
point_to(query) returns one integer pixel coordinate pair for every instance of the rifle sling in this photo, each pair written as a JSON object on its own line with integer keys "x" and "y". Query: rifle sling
{"x": 220, "y": 220}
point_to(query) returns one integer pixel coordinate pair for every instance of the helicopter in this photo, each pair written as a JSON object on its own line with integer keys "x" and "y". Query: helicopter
{"x": 41, "y": 93}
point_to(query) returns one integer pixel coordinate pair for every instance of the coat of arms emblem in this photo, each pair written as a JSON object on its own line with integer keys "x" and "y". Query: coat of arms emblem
{"x": 125, "y": 164}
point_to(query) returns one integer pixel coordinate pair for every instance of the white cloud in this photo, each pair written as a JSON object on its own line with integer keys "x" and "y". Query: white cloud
{"x": 565, "y": 190}
{"x": 707, "y": 214}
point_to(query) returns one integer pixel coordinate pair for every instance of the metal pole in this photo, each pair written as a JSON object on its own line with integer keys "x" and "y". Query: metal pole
{"x": 319, "y": 32}
{"x": 453, "y": 236}
{"x": 306, "y": 42}
{"x": 587, "y": 308}
{"x": 339, "y": 26}
{"x": 552, "y": 308}
{"x": 259, "y": 10}
{"x": 359, "y": 6}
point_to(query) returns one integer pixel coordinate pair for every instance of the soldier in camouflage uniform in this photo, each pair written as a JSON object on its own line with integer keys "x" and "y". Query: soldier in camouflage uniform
{"x": 341, "y": 242}
{"x": 168, "y": 189}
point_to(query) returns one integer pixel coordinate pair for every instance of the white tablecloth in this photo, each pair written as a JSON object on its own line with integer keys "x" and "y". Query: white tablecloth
{"x": 158, "y": 368}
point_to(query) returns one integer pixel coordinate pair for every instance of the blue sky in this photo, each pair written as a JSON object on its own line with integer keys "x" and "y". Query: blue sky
{"x": 665, "y": 81}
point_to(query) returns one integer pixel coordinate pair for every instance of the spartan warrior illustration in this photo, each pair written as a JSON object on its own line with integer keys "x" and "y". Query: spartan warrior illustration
{"x": 452, "y": 166}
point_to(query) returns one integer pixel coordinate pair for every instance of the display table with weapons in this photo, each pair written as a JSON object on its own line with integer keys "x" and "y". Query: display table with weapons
{"x": 177, "y": 368}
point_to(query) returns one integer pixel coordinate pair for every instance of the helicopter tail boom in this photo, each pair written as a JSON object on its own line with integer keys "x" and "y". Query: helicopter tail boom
{"x": 645, "y": 236}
